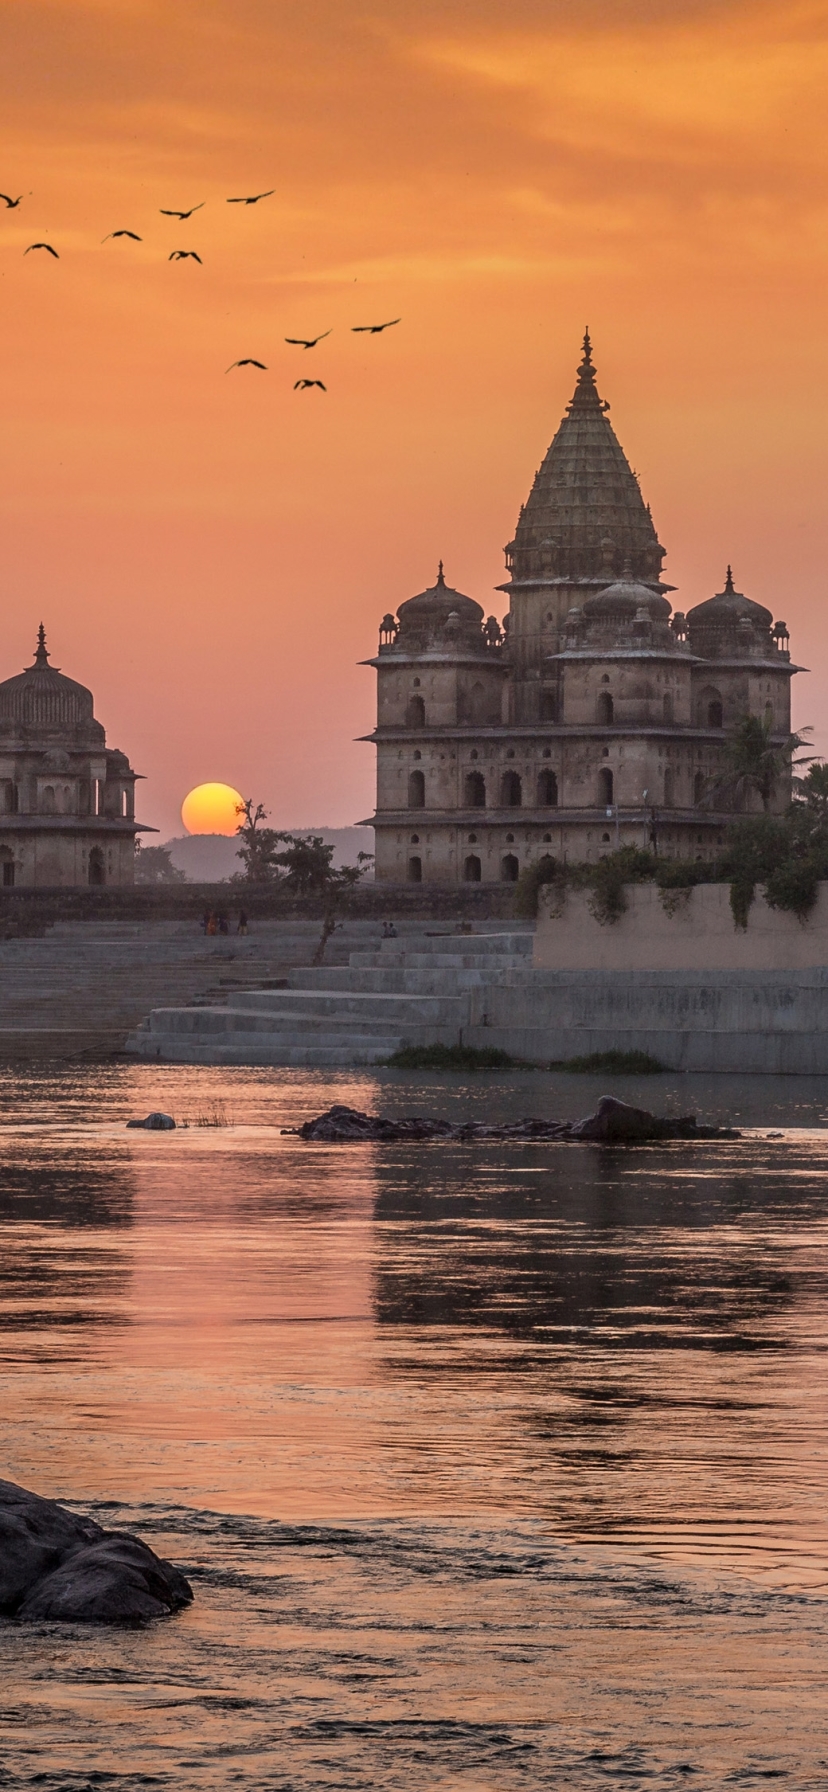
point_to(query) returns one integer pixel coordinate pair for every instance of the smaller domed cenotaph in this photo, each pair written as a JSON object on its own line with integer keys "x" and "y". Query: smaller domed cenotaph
{"x": 67, "y": 800}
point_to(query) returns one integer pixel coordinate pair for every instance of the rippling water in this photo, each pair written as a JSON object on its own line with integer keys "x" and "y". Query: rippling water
{"x": 492, "y": 1467}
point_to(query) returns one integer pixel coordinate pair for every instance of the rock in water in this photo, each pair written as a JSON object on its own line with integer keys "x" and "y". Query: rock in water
{"x": 614, "y": 1122}
{"x": 55, "y": 1565}
{"x": 155, "y": 1123}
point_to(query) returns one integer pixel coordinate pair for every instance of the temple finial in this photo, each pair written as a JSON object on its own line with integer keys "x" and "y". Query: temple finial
{"x": 440, "y": 579}
{"x": 41, "y": 656}
{"x": 729, "y": 582}
{"x": 586, "y": 391}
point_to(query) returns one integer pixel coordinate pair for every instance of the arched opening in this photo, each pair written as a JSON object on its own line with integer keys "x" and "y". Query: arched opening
{"x": 415, "y": 870}
{"x": 606, "y": 709}
{"x": 509, "y": 869}
{"x": 477, "y": 702}
{"x": 511, "y": 794}
{"x": 605, "y": 787}
{"x": 47, "y": 800}
{"x": 415, "y": 713}
{"x": 472, "y": 869}
{"x": 699, "y": 787}
{"x": 416, "y": 790}
{"x": 548, "y": 707}
{"x": 547, "y": 790}
{"x": 97, "y": 867}
{"x": 7, "y": 862}
{"x": 669, "y": 784}
{"x": 711, "y": 709}
{"x": 667, "y": 707}
{"x": 475, "y": 790}
{"x": 8, "y": 797}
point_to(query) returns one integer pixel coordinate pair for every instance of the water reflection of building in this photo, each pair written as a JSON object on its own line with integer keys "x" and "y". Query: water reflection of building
{"x": 594, "y": 716}
{"x": 67, "y": 800}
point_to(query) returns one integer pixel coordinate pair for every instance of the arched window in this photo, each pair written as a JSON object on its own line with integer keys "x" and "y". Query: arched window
{"x": 548, "y": 707}
{"x": 8, "y": 797}
{"x": 711, "y": 710}
{"x": 509, "y": 869}
{"x": 47, "y": 802}
{"x": 416, "y": 790}
{"x": 606, "y": 709}
{"x": 415, "y": 870}
{"x": 472, "y": 869}
{"x": 415, "y": 713}
{"x": 475, "y": 791}
{"x": 547, "y": 790}
{"x": 7, "y": 862}
{"x": 605, "y": 787}
{"x": 669, "y": 786}
{"x": 511, "y": 794}
{"x": 97, "y": 868}
{"x": 699, "y": 787}
{"x": 667, "y": 706}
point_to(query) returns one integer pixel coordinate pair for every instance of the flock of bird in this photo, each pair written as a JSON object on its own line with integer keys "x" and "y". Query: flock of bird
{"x": 303, "y": 342}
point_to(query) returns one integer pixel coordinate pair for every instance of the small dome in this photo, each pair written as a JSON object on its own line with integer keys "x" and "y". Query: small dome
{"x": 41, "y": 697}
{"x": 437, "y": 604}
{"x": 622, "y": 601}
{"x": 727, "y": 609}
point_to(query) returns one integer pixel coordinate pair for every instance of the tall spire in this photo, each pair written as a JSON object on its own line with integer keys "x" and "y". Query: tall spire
{"x": 41, "y": 656}
{"x": 440, "y": 578}
{"x": 728, "y": 590}
{"x": 585, "y": 515}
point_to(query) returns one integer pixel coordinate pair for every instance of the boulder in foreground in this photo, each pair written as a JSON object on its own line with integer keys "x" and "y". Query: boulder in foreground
{"x": 55, "y": 1565}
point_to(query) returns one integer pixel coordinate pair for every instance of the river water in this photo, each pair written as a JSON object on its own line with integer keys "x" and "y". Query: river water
{"x": 492, "y": 1467}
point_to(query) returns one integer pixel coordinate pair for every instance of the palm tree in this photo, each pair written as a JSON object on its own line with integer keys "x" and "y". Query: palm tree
{"x": 754, "y": 762}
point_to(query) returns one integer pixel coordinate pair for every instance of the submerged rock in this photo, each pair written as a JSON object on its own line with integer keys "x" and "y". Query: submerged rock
{"x": 155, "y": 1123}
{"x": 614, "y": 1122}
{"x": 56, "y": 1565}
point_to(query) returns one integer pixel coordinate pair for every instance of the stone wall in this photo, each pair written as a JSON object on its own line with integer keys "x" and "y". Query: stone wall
{"x": 699, "y": 935}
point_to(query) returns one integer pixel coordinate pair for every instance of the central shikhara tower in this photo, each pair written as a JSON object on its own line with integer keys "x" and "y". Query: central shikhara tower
{"x": 594, "y": 717}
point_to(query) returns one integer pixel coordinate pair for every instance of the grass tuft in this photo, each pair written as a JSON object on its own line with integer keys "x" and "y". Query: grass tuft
{"x": 618, "y": 1063}
{"x": 452, "y": 1057}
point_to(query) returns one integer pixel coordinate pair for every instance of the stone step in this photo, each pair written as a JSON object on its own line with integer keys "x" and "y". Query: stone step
{"x": 437, "y": 1010}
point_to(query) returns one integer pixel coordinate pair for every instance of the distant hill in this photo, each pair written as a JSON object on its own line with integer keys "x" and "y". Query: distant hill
{"x": 212, "y": 858}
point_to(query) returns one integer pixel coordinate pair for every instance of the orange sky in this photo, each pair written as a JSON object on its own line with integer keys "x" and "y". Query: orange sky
{"x": 212, "y": 553}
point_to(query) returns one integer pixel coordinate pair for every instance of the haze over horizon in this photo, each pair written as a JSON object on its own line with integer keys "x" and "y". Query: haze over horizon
{"x": 212, "y": 553}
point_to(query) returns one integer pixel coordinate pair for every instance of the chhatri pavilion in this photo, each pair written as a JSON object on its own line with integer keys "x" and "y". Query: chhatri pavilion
{"x": 67, "y": 800}
{"x": 595, "y": 716}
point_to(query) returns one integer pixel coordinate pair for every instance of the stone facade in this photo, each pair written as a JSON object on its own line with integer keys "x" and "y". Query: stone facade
{"x": 594, "y": 717}
{"x": 67, "y": 801}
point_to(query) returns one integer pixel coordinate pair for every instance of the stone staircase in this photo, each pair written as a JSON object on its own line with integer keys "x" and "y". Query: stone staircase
{"x": 84, "y": 986}
{"x": 420, "y": 989}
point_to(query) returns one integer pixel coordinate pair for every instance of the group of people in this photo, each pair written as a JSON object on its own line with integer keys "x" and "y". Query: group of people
{"x": 389, "y": 931}
{"x": 212, "y": 923}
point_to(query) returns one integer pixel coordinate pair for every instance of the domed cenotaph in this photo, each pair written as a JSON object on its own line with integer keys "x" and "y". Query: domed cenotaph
{"x": 595, "y": 717}
{"x": 67, "y": 800}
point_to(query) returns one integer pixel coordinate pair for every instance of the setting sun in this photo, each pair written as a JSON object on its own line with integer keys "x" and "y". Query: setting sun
{"x": 211, "y": 809}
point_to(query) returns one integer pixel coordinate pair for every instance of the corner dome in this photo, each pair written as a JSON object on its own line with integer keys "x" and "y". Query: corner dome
{"x": 436, "y": 604}
{"x": 41, "y": 697}
{"x": 728, "y": 608}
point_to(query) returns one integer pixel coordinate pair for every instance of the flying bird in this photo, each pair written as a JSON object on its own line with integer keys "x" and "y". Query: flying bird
{"x": 374, "y": 329}
{"x": 300, "y": 342}
{"x": 185, "y": 255}
{"x": 46, "y": 246}
{"x": 129, "y": 233}
{"x": 11, "y": 203}
{"x": 301, "y": 384}
{"x": 247, "y": 362}
{"x": 253, "y": 199}
{"x": 182, "y": 216}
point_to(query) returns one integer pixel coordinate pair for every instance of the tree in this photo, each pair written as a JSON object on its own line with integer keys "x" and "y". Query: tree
{"x": 153, "y": 865}
{"x": 754, "y": 762}
{"x": 811, "y": 792}
{"x": 258, "y": 848}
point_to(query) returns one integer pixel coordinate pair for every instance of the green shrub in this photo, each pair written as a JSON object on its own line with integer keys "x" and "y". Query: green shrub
{"x": 616, "y": 1063}
{"x": 451, "y": 1057}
